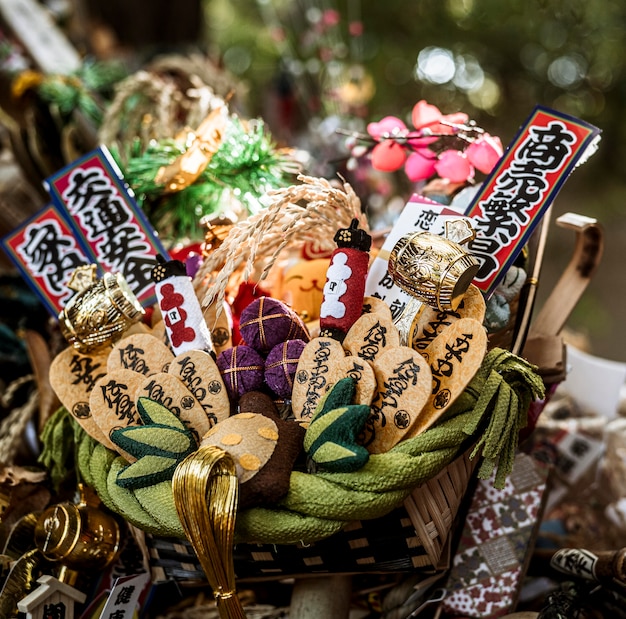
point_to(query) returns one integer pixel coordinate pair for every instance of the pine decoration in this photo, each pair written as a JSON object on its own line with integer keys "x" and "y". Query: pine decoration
{"x": 245, "y": 166}
{"x": 87, "y": 90}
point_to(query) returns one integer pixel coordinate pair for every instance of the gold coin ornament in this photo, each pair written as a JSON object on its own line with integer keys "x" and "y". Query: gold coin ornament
{"x": 404, "y": 384}
{"x": 318, "y": 369}
{"x": 370, "y": 336}
{"x": 112, "y": 404}
{"x": 170, "y": 391}
{"x": 142, "y": 353}
{"x": 431, "y": 322}
{"x": 73, "y": 376}
{"x": 199, "y": 373}
{"x": 454, "y": 357}
{"x": 250, "y": 438}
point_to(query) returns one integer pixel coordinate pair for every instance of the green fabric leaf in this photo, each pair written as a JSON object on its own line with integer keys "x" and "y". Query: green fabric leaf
{"x": 147, "y": 471}
{"x": 157, "y": 447}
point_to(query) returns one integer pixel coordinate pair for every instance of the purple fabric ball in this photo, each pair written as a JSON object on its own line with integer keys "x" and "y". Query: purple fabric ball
{"x": 242, "y": 370}
{"x": 267, "y": 322}
{"x": 281, "y": 364}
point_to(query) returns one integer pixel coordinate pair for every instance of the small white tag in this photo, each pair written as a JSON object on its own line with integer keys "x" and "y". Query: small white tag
{"x": 124, "y": 597}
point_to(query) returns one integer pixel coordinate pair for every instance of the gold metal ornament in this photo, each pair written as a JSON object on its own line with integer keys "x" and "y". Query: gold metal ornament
{"x": 79, "y": 536}
{"x": 432, "y": 269}
{"x": 100, "y": 313}
{"x": 203, "y": 144}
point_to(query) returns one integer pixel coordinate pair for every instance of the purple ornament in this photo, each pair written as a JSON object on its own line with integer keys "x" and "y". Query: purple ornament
{"x": 267, "y": 322}
{"x": 242, "y": 369}
{"x": 281, "y": 364}
{"x": 193, "y": 262}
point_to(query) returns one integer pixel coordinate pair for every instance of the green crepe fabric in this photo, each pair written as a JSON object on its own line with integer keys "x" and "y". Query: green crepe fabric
{"x": 488, "y": 415}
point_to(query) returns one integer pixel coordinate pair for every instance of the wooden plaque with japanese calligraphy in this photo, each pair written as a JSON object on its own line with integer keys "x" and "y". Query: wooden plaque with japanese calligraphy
{"x": 112, "y": 403}
{"x": 363, "y": 374}
{"x": 200, "y": 374}
{"x": 73, "y": 376}
{"x": 431, "y": 322}
{"x": 404, "y": 384}
{"x": 374, "y": 305}
{"x": 370, "y": 336}
{"x": 220, "y": 326}
{"x": 142, "y": 353}
{"x": 454, "y": 357}
{"x": 172, "y": 393}
{"x": 318, "y": 369}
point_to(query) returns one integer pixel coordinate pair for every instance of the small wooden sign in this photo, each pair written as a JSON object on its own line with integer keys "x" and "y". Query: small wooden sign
{"x": 370, "y": 336}
{"x": 142, "y": 353}
{"x": 404, "y": 384}
{"x": 199, "y": 373}
{"x": 363, "y": 374}
{"x": 319, "y": 368}
{"x": 220, "y": 325}
{"x": 431, "y": 322}
{"x": 73, "y": 377}
{"x": 112, "y": 404}
{"x": 374, "y": 305}
{"x": 454, "y": 358}
{"x": 171, "y": 392}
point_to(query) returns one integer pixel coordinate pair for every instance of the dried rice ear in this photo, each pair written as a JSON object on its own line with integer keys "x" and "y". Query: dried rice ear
{"x": 311, "y": 211}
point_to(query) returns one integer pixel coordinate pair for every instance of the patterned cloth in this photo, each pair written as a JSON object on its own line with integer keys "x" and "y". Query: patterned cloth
{"x": 496, "y": 542}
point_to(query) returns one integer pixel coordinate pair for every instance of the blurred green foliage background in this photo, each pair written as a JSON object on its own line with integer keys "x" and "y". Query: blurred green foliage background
{"x": 311, "y": 67}
{"x": 493, "y": 59}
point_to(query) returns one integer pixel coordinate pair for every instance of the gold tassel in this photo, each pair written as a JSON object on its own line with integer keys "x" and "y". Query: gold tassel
{"x": 206, "y": 490}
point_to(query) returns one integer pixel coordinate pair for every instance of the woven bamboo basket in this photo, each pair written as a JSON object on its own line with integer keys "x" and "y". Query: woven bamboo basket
{"x": 398, "y": 512}
{"x": 415, "y": 532}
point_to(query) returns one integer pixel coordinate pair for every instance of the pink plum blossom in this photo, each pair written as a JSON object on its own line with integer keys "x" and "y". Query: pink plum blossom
{"x": 428, "y": 116}
{"x": 453, "y": 165}
{"x": 420, "y": 165}
{"x": 389, "y": 125}
{"x": 484, "y": 153}
{"x": 388, "y": 156}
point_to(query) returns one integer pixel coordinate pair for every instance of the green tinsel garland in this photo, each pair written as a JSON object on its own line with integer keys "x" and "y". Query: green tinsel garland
{"x": 246, "y": 165}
